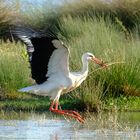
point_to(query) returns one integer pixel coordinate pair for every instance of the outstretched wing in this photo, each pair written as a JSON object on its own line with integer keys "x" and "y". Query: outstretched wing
{"x": 48, "y": 56}
{"x": 59, "y": 60}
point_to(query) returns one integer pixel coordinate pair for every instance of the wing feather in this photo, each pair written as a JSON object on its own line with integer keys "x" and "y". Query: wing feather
{"x": 59, "y": 61}
{"x": 24, "y": 34}
{"x": 47, "y": 55}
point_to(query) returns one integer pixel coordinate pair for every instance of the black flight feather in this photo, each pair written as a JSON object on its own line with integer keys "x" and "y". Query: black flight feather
{"x": 39, "y": 48}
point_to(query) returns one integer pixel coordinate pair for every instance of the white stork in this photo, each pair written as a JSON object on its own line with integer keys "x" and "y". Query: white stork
{"x": 49, "y": 59}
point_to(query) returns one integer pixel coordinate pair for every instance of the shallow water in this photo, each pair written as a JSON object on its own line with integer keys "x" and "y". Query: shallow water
{"x": 45, "y": 126}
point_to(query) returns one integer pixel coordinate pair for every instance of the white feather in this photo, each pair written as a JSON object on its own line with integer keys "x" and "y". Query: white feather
{"x": 59, "y": 63}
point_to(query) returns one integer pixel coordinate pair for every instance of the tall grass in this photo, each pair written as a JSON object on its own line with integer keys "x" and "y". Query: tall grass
{"x": 106, "y": 41}
{"x": 127, "y": 11}
{"x": 124, "y": 13}
{"x": 7, "y": 15}
{"x": 14, "y": 71}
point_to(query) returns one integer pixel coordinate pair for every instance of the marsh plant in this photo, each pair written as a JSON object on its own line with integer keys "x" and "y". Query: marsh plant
{"x": 14, "y": 71}
{"x": 106, "y": 41}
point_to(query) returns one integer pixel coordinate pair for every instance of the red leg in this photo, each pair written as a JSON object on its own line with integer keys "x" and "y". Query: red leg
{"x": 73, "y": 112}
{"x": 56, "y": 106}
{"x": 70, "y": 113}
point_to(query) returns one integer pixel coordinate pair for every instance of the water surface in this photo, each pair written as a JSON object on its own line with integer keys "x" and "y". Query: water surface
{"x": 45, "y": 126}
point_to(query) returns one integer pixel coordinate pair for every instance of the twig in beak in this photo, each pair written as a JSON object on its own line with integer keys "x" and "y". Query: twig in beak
{"x": 106, "y": 65}
{"x": 99, "y": 62}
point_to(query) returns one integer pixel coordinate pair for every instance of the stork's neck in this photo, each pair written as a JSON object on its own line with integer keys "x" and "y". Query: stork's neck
{"x": 84, "y": 70}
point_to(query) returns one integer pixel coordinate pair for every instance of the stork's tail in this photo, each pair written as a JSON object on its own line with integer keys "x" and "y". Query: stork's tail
{"x": 29, "y": 89}
{"x": 34, "y": 89}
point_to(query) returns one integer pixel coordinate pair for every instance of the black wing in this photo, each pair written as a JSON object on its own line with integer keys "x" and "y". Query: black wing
{"x": 40, "y": 57}
{"x": 39, "y": 48}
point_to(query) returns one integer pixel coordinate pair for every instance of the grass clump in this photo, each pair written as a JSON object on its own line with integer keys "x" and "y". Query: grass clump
{"x": 107, "y": 42}
{"x": 124, "y": 13}
{"x": 14, "y": 71}
{"x": 7, "y": 14}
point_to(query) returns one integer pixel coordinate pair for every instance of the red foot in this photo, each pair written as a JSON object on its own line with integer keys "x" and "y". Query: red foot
{"x": 70, "y": 113}
{"x": 73, "y": 112}
{"x": 63, "y": 112}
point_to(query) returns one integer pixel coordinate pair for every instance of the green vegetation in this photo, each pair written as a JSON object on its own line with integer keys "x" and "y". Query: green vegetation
{"x": 101, "y": 30}
{"x": 14, "y": 70}
{"x": 124, "y": 13}
{"x": 7, "y": 14}
{"x": 109, "y": 43}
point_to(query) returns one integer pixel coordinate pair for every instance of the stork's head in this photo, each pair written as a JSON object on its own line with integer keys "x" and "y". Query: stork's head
{"x": 90, "y": 57}
{"x": 57, "y": 43}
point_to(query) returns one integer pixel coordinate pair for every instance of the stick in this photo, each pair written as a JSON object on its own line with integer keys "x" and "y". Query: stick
{"x": 109, "y": 64}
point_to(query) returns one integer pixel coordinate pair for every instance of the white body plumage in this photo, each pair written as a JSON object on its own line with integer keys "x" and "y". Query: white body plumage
{"x": 62, "y": 81}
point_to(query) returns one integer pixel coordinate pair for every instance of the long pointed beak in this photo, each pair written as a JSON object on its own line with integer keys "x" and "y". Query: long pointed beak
{"x": 98, "y": 61}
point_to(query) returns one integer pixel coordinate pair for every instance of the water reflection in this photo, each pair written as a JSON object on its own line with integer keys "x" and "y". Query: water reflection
{"x": 36, "y": 126}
